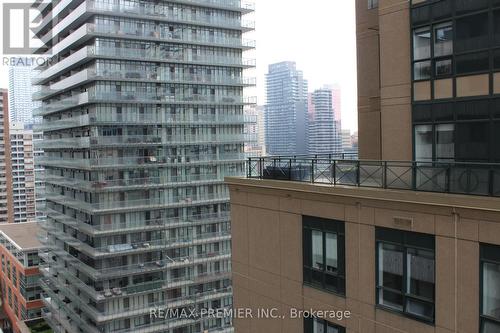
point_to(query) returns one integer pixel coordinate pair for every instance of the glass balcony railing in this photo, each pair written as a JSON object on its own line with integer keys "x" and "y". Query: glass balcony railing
{"x": 140, "y": 140}
{"x": 135, "y": 309}
{"x": 147, "y": 119}
{"x": 426, "y": 176}
{"x": 137, "y": 161}
{"x": 134, "y": 225}
{"x": 143, "y": 246}
{"x": 143, "y": 267}
{"x": 131, "y": 183}
{"x": 167, "y": 35}
{"x": 161, "y": 11}
{"x": 153, "y": 53}
{"x": 159, "y": 54}
{"x": 168, "y": 283}
{"x": 160, "y": 96}
{"x": 161, "y": 202}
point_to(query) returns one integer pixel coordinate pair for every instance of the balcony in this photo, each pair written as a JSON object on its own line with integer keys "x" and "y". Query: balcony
{"x": 142, "y": 140}
{"x": 130, "y": 205}
{"x": 135, "y": 183}
{"x": 161, "y": 96}
{"x": 482, "y": 179}
{"x": 141, "y": 161}
{"x": 148, "y": 119}
{"x": 154, "y": 53}
{"x": 142, "y": 246}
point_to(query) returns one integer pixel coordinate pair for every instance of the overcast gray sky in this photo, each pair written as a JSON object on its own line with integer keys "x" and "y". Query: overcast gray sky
{"x": 318, "y": 34}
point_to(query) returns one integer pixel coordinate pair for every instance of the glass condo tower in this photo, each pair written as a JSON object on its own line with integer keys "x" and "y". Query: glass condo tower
{"x": 143, "y": 118}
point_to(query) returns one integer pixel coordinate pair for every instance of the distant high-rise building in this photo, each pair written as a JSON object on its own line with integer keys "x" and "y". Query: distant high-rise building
{"x": 324, "y": 128}
{"x": 143, "y": 117}
{"x": 6, "y": 200}
{"x": 21, "y": 105}
{"x": 286, "y": 110}
{"x": 23, "y": 172}
{"x": 255, "y": 127}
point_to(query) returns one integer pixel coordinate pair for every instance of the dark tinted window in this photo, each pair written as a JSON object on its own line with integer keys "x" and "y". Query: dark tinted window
{"x": 470, "y": 63}
{"x": 472, "y": 110}
{"x": 496, "y": 59}
{"x": 490, "y": 288}
{"x": 471, "y": 32}
{"x": 495, "y": 108}
{"x": 420, "y": 14}
{"x": 467, "y": 6}
{"x": 496, "y": 140}
{"x": 442, "y": 111}
{"x": 441, "y": 9}
{"x": 496, "y": 27}
{"x": 473, "y": 141}
{"x": 422, "y": 113}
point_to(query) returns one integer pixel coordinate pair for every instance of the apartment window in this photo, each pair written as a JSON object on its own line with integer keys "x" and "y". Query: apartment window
{"x": 422, "y": 70}
{"x": 406, "y": 273}
{"x": 444, "y": 67}
{"x": 317, "y": 325}
{"x": 473, "y": 141}
{"x": 372, "y": 4}
{"x": 422, "y": 43}
{"x": 471, "y": 32}
{"x": 445, "y": 142}
{"x": 472, "y": 63}
{"x": 443, "y": 39}
{"x": 423, "y": 142}
{"x": 324, "y": 254}
{"x": 490, "y": 289}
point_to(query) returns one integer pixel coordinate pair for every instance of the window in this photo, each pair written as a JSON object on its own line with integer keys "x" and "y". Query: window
{"x": 445, "y": 142}
{"x": 473, "y": 141}
{"x": 321, "y": 326}
{"x": 444, "y": 67}
{"x": 324, "y": 254}
{"x": 423, "y": 143}
{"x": 443, "y": 39}
{"x": 406, "y": 273}
{"x": 471, "y": 63}
{"x": 490, "y": 291}
{"x": 422, "y": 43}
{"x": 372, "y": 4}
{"x": 471, "y": 32}
{"x": 422, "y": 70}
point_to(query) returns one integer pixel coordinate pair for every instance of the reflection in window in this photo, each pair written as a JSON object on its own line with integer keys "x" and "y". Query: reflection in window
{"x": 324, "y": 254}
{"x": 443, "y": 39}
{"x": 422, "y": 70}
{"x": 490, "y": 293}
{"x": 422, "y": 43}
{"x": 445, "y": 142}
{"x": 444, "y": 67}
{"x": 423, "y": 143}
{"x": 406, "y": 272}
{"x": 471, "y": 32}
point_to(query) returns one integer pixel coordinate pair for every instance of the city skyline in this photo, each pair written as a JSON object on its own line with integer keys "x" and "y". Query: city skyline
{"x": 322, "y": 63}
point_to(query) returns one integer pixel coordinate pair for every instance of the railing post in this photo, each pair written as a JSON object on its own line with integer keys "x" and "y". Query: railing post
{"x": 312, "y": 170}
{"x": 334, "y": 172}
{"x": 385, "y": 175}
{"x": 414, "y": 175}
{"x": 358, "y": 173}
{"x": 290, "y": 170}
{"x": 491, "y": 179}
{"x": 261, "y": 167}
{"x": 249, "y": 172}
{"x": 448, "y": 178}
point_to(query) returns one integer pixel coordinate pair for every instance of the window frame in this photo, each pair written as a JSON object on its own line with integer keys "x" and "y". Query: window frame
{"x": 310, "y": 223}
{"x": 405, "y": 240}
{"x": 489, "y": 254}
{"x": 309, "y": 325}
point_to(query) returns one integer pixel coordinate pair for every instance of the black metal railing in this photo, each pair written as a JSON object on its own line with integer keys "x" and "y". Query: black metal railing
{"x": 443, "y": 177}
